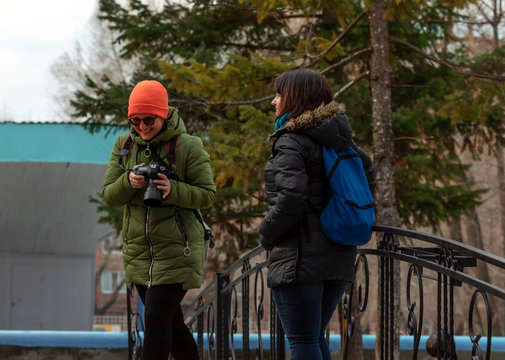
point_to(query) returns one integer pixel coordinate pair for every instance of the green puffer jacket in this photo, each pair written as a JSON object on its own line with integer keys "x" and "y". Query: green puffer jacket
{"x": 153, "y": 239}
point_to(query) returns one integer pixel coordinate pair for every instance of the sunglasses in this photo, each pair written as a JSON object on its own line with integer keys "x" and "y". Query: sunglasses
{"x": 148, "y": 121}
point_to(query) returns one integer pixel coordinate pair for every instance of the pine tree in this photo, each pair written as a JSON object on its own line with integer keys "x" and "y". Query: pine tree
{"x": 218, "y": 60}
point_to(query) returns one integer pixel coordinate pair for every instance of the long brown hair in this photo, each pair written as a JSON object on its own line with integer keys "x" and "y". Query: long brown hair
{"x": 302, "y": 90}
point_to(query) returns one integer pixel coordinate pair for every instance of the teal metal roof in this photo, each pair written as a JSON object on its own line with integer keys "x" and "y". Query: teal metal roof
{"x": 56, "y": 142}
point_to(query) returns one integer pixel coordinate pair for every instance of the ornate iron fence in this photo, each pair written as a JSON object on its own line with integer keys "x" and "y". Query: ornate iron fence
{"x": 230, "y": 323}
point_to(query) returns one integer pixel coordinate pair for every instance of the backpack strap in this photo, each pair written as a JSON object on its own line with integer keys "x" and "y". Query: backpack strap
{"x": 171, "y": 151}
{"x": 340, "y": 158}
{"x": 127, "y": 146}
{"x": 313, "y": 207}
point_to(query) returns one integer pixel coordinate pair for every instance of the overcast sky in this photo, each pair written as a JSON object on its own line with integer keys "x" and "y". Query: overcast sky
{"x": 33, "y": 33}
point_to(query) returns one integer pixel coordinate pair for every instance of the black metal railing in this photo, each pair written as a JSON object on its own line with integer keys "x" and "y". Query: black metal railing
{"x": 228, "y": 316}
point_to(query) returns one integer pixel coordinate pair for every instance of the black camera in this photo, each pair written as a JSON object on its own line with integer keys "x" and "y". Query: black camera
{"x": 153, "y": 196}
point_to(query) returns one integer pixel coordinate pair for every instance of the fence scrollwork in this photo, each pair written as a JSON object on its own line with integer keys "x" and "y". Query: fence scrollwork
{"x": 216, "y": 311}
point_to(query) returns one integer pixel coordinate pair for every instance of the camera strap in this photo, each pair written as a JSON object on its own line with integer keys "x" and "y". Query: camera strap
{"x": 172, "y": 174}
{"x": 172, "y": 148}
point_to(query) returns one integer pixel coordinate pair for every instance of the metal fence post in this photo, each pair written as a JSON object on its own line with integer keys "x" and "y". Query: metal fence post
{"x": 222, "y": 304}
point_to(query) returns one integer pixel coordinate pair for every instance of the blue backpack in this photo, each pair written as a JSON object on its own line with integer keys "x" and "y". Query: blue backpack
{"x": 349, "y": 215}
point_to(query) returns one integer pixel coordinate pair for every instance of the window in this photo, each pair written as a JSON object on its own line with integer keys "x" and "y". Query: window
{"x": 111, "y": 280}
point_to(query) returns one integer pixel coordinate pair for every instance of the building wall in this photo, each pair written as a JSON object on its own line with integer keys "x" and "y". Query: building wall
{"x": 47, "y": 244}
{"x": 45, "y": 292}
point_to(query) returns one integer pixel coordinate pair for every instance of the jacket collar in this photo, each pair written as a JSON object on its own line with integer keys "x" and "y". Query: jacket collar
{"x": 311, "y": 118}
{"x": 314, "y": 117}
{"x": 327, "y": 124}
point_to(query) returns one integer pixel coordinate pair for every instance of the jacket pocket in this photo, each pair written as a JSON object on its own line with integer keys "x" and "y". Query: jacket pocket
{"x": 184, "y": 233}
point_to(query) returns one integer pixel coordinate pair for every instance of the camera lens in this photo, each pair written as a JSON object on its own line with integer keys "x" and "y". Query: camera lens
{"x": 153, "y": 196}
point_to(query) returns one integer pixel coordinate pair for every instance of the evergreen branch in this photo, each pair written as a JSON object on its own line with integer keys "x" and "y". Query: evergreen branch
{"x": 275, "y": 15}
{"x": 345, "y": 60}
{"x": 318, "y": 57}
{"x": 254, "y": 47}
{"x": 342, "y": 62}
{"x": 350, "y": 84}
{"x": 432, "y": 41}
{"x": 459, "y": 18}
{"x": 448, "y": 65}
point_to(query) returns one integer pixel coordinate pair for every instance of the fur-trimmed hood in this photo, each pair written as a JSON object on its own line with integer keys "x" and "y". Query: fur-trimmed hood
{"x": 327, "y": 124}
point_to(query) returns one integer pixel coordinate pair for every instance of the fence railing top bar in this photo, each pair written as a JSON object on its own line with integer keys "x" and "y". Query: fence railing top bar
{"x": 210, "y": 287}
{"x": 238, "y": 264}
{"x": 193, "y": 316}
{"x": 433, "y": 254}
{"x": 441, "y": 241}
{"x": 246, "y": 274}
{"x": 439, "y": 268}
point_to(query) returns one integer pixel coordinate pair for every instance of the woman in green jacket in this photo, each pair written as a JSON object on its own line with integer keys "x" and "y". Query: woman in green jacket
{"x": 163, "y": 245}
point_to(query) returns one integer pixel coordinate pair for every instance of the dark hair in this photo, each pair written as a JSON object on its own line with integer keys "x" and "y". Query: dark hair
{"x": 302, "y": 90}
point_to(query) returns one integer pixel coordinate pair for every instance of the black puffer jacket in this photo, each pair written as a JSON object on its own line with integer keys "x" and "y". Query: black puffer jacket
{"x": 293, "y": 175}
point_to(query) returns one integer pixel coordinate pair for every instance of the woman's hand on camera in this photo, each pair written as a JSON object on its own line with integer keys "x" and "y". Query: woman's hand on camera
{"x": 137, "y": 181}
{"x": 163, "y": 185}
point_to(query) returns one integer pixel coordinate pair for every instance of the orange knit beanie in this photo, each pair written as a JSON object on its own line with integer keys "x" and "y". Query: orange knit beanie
{"x": 149, "y": 97}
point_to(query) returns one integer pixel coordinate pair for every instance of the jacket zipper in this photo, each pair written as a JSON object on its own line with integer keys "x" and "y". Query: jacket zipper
{"x": 127, "y": 229}
{"x": 147, "y": 154}
{"x": 151, "y": 252}
{"x": 180, "y": 224}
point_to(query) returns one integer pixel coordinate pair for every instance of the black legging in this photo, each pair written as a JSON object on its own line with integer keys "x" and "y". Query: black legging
{"x": 165, "y": 330}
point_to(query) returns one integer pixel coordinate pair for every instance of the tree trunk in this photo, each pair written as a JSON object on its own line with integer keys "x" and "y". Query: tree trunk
{"x": 499, "y": 152}
{"x": 500, "y": 158}
{"x": 383, "y": 147}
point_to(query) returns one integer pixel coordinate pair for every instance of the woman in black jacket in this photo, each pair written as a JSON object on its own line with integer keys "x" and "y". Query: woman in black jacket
{"x": 308, "y": 273}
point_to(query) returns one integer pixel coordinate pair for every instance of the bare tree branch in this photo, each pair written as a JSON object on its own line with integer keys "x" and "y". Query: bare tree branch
{"x": 112, "y": 299}
{"x": 346, "y": 60}
{"x": 336, "y": 41}
{"x": 350, "y": 84}
{"x": 448, "y": 65}
{"x": 205, "y": 102}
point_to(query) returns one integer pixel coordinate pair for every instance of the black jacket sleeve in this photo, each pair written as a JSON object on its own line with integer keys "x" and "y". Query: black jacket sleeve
{"x": 291, "y": 182}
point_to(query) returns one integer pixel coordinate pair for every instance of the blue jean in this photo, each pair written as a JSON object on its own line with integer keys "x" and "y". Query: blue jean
{"x": 305, "y": 310}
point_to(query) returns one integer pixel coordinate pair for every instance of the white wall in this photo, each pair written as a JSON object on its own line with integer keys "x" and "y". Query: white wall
{"x": 48, "y": 239}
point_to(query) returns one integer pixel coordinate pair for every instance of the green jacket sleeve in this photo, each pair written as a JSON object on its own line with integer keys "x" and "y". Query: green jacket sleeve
{"x": 198, "y": 191}
{"x": 116, "y": 190}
